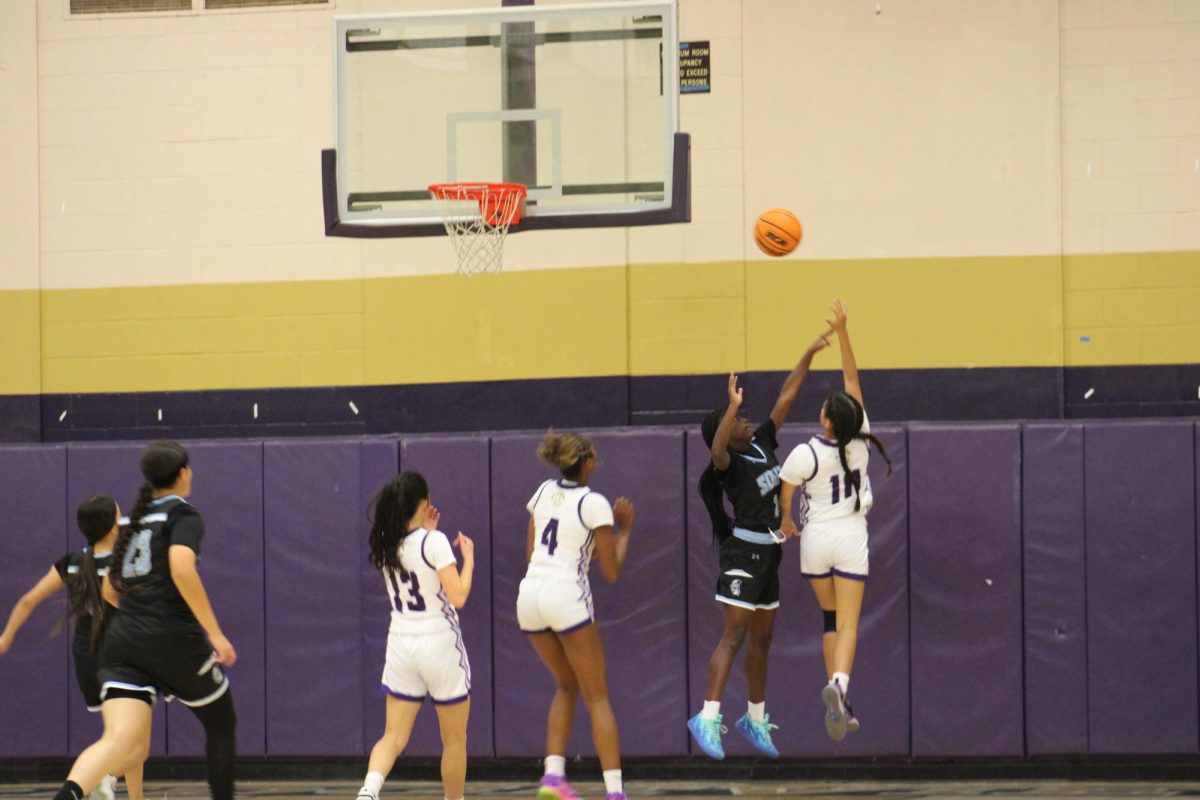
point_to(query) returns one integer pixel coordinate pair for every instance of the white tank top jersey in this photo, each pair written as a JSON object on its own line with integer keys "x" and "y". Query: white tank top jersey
{"x": 565, "y": 517}
{"x": 419, "y": 605}
{"x": 827, "y": 486}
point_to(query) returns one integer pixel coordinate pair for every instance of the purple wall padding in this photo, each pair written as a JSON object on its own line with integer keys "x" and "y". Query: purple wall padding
{"x": 1052, "y": 509}
{"x": 642, "y": 617}
{"x": 965, "y": 584}
{"x": 33, "y": 535}
{"x": 313, "y": 597}
{"x": 1141, "y": 587}
{"x": 457, "y": 469}
{"x": 380, "y": 463}
{"x": 880, "y": 679}
{"x": 227, "y": 489}
{"x": 110, "y": 469}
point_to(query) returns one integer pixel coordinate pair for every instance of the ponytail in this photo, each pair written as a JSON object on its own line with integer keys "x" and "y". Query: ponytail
{"x": 846, "y": 416}
{"x": 116, "y": 565}
{"x": 395, "y": 505}
{"x": 95, "y": 517}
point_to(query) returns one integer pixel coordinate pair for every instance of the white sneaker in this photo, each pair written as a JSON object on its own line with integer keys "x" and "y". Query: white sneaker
{"x": 106, "y": 789}
{"x": 835, "y": 711}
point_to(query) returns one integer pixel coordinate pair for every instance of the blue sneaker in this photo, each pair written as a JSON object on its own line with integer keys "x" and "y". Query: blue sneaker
{"x": 758, "y": 734}
{"x": 707, "y": 733}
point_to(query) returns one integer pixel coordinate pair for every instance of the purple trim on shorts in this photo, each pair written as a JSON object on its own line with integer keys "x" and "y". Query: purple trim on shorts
{"x": 816, "y": 462}
{"x": 451, "y": 616}
{"x": 423, "y": 557}
{"x": 535, "y": 633}
{"x": 573, "y": 628}
{"x": 453, "y": 700}
{"x": 384, "y": 688}
{"x": 850, "y": 575}
{"x": 816, "y": 575}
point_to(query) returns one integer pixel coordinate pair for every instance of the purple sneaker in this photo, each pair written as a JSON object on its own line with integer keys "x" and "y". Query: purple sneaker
{"x": 835, "y": 711}
{"x": 615, "y": 796}
{"x": 555, "y": 787}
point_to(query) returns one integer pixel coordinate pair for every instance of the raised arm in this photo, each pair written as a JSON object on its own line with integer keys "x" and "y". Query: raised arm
{"x": 720, "y": 445}
{"x": 612, "y": 541}
{"x": 795, "y": 380}
{"x": 458, "y": 584}
{"x": 50, "y": 583}
{"x": 849, "y": 365}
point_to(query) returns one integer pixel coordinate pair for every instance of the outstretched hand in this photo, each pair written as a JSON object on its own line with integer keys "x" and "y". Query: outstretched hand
{"x": 623, "y": 514}
{"x": 838, "y": 323}
{"x": 465, "y": 544}
{"x": 735, "y": 394}
{"x": 432, "y": 518}
{"x": 820, "y": 343}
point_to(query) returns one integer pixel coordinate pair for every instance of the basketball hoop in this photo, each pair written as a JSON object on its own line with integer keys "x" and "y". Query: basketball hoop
{"x": 477, "y": 216}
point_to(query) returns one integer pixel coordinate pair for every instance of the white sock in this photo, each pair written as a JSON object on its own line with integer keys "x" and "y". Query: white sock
{"x": 711, "y": 710}
{"x": 373, "y": 784}
{"x": 757, "y": 710}
{"x": 450, "y": 798}
{"x": 843, "y": 680}
{"x": 612, "y": 781}
{"x": 556, "y": 765}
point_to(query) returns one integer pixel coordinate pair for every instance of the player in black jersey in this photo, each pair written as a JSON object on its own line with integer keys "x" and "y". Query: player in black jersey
{"x": 164, "y": 638}
{"x": 80, "y": 572}
{"x": 745, "y": 468}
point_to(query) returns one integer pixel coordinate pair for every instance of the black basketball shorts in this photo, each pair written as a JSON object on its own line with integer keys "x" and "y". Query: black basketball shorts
{"x": 749, "y": 574}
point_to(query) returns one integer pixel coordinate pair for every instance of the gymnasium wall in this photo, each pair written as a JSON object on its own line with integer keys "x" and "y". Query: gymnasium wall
{"x": 1025, "y": 579}
{"x": 937, "y": 151}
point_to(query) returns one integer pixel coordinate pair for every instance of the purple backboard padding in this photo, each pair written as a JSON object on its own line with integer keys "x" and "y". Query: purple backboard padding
{"x": 1141, "y": 587}
{"x": 110, "y": 469}
{"x": 227, "y": 490}
{"x": 313, "y": 597}
{"x": 458, "y": 471}
{"x": 965, "y": 588}
{"x": 1052, "y": 509}
{"x": 879, "y": 687}
{"x": 642, "y": 617}
{"x": 35, "y": 531}
{"x": 380, "y": 463}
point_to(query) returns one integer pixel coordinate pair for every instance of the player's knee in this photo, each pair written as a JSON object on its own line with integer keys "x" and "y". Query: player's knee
{"x": 454, "y": 738}
{"x": 567, "y": 685}
{"x": 734, "y": 637}
{"x": 761, "y": 640}
{"x": 830, "y": 621}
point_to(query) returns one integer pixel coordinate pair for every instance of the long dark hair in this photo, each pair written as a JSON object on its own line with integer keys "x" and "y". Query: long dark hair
{"x": 96, "y": 517}
{"x": 161, "y": 463}
{"x": 710, "y": 483}
{"x": 845, "y": 415}
{"x": 395, "y": 504}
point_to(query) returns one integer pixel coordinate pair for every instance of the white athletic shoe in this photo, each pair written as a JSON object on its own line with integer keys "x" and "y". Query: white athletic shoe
{"x": 106, "y": 789}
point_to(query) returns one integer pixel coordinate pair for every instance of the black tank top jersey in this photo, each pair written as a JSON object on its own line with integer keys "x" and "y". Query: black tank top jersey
{"x": 70, "y": 564}
{"x": 151, "y": 603}
{"x": 752, "y": 481}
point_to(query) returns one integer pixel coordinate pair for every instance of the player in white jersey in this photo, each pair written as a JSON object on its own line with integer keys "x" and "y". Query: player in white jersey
{"x": 425, "y": 652}
{"x": 568, "y": 524}
{"x": 833, "y": 550}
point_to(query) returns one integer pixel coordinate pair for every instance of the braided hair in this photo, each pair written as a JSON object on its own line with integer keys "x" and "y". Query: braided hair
{"x": 845, "y": 415}
{"x": 395, "y": 504}
{"x": 162, "y": 462}
{"x": 95, "y": 517}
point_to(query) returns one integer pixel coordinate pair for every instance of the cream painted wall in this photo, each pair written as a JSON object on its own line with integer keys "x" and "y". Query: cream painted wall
{"x": 19, "y": 155}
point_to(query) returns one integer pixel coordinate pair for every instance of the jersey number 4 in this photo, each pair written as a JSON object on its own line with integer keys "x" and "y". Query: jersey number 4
{"x": 850, "y": 479}
{"x": 550, "y": 535}
{"x": 414, "y": 591}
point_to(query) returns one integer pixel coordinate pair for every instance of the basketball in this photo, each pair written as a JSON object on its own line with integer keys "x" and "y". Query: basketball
{"x": 777, "y": 232}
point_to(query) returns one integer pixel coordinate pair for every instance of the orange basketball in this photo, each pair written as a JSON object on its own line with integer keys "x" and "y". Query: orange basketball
{"x": 777, "y": 232}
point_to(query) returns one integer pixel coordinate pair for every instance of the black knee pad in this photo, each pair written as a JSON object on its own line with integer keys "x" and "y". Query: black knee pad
{"x": 830, "y": 620}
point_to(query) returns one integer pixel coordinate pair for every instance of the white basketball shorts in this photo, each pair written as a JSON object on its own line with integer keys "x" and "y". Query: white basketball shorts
{"x": 546, "y": 604}
{"x": 838, "y": 547}
{"x": 430, "y": 664}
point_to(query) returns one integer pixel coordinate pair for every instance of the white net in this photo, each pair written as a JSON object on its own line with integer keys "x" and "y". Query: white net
{"x": 477, "y": 216}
